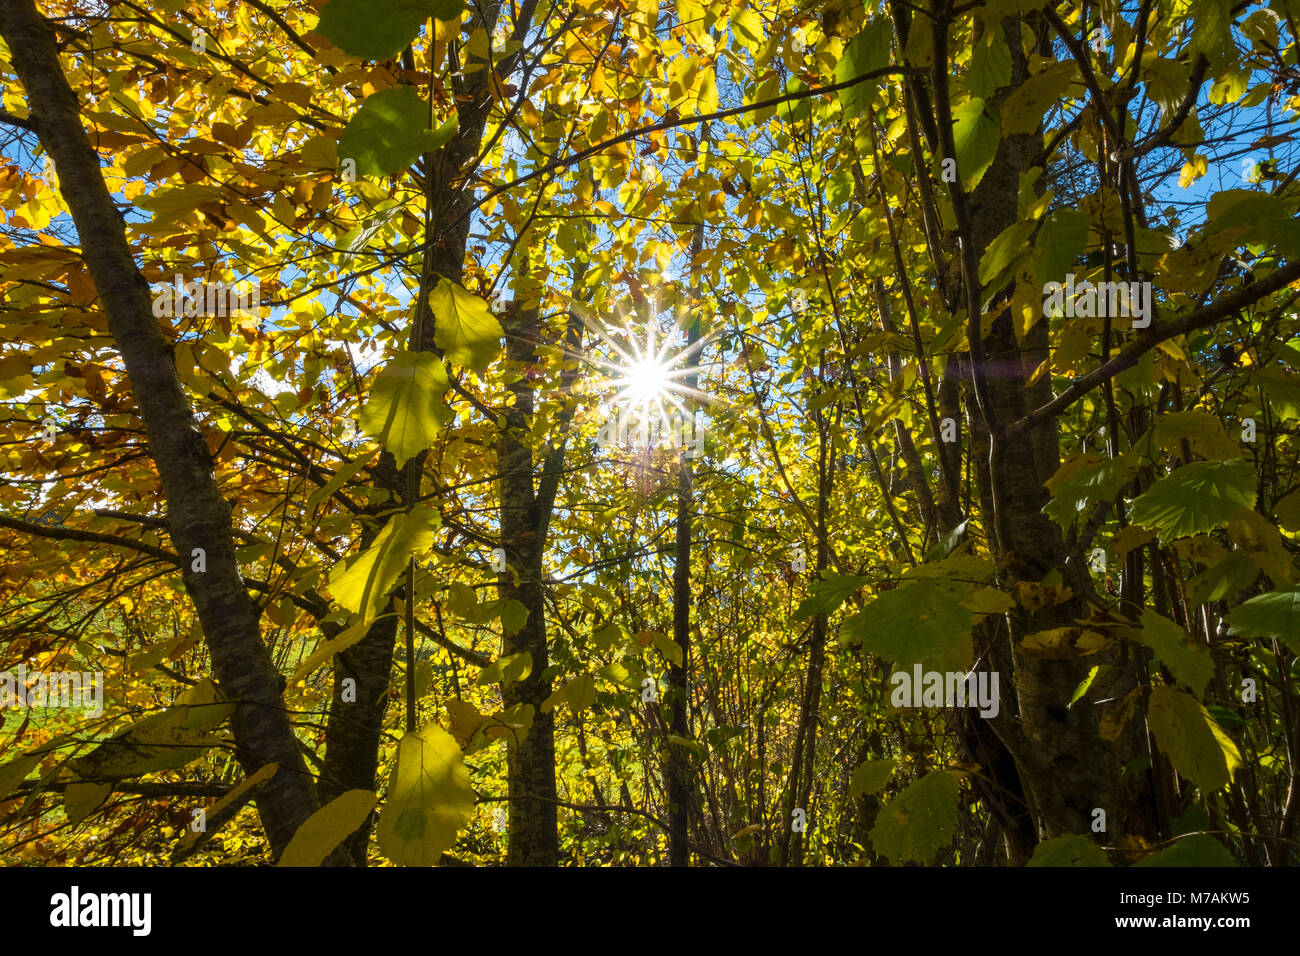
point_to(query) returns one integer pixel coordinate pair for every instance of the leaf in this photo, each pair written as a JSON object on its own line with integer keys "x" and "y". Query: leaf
{"x": 429, "y": 799}
{"x": 990, "y": 65}
{"x": 871, "y": 776}
{"x": 975, "y": 133}
{"x": 947, "y": 543}
{"x": 391, "y": 131}
{"x": 1008, "y": 251}
{"x": 1197, "y": 849}
{"x": 507, "y": 670}
{"x": 747, "y": 26}
{"x": 15, "y": 771}
{"x": 329, "y": 826}
{"x": 1203, "y": 431}
{"x": 465, "y": 719}
{"x": 361, "y": 584}
{"x": 668, "y": 648}
{"x": 461, "y": 599}
{"x": 465, "y": 330}
{"x": 1198, "y": 749}
{"x": 1068, "y": 850}
{"x": 866, "y": 53}
{"x": 405, "y": 410}
{"x": 342, "y": 476}
{"x": 339, "y": 643}
{"x": 165, "y": 741}
{"x": 514, "y": 615}
{"x": 1274, "y": 614}
{"x": 607, "y": 636}
{"x": 1189, "y": 662}
{"x": 511, "y": 725}
{"x": 1023, "y": 111}
{"x": 1061, "y": 240}
{"x": 377, "y": 31}
{"x": 921, "y": 820}
{"x": 826, "y": 595}
{"x": 914, "y": 624}
{"x": 80, "y": 800}
{"x": 1085, "y": 684}
{"x": 1083, "y": 482}
{"x": 579, "y": 694}
{"x": 1196, "y": 498}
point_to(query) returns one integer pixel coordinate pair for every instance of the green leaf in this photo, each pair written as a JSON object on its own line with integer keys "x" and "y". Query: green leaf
{"x": 1190, "y": 663}
{"x": 866, "y": 52}
{"x": 947, "y": 543}
{"x": 917, "y": 623}
{"x": 405, "y": 409}
{"x": 623, "y": 675}
{"x": 1024, "y": 110}
{"x": 1068, "y": 850}
{"x": 1203, "y": 431}
{"x": 1198, "y": 749}
{"x": 975, "y": 133}
{"x": 1196, "y": 498}
{"x": 464, "y": 328}
{"x": 329, "y": 826}
{"x": 1061, "y": 241}
{"x": 607, "y": 636}
{"x": 1198, "y": 849}
{"x": 361, "y": 584}
{"x": 921, "y": 820}
{"x": 1084, "y": 685}
{"x": 1008, "y": 251}
{"x": 828, "y": 594}
{"x": 507, "y": 670}
{"x": 1275, "y": 614}
{"x": 1084, "y": 481}
{"x": 461, "y": 599}
{"x": 990, "y": 65}
{"x": 1282, "y": 391}
{"x": 391, "y": 131}
{"x": 871, "y": 776}
{"x": 376, "y": 31}
{"x": 429, "y": 799}
{"x": 514, "y": 615}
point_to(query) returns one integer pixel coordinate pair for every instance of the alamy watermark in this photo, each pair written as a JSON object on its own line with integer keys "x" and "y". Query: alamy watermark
{"x": 197, "y": 297}
{"x": 83, "y": 689}
{"x": 1114, "y": 299}
{"x": 76, "y": 909}
{"x": 952, "y": 689}
{"x": 652, "y": 429}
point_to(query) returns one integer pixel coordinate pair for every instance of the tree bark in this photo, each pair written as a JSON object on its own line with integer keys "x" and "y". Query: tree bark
{"x": 197, "y": 515}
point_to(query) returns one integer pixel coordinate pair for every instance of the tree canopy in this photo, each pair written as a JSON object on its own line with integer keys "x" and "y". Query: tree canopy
{"x": 639, "y": 432}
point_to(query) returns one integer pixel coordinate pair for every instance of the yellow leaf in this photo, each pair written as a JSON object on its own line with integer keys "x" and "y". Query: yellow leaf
{"x": 329, "y": 826}
{"x": 429, "y": 799}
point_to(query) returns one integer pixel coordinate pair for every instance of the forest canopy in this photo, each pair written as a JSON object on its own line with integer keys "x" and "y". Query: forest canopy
{"x": 649, "y": 432}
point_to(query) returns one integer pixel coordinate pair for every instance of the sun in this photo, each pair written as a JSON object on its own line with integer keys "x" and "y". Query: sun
{"x": 649, "y": 377}
{"x": 646, "y": 382}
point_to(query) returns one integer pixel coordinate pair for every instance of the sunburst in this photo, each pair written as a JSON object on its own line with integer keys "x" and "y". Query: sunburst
{"x": 650, "y": 376}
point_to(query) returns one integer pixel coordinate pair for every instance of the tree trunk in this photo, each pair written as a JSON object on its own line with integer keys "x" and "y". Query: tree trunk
{"x": 197, "y": 516}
